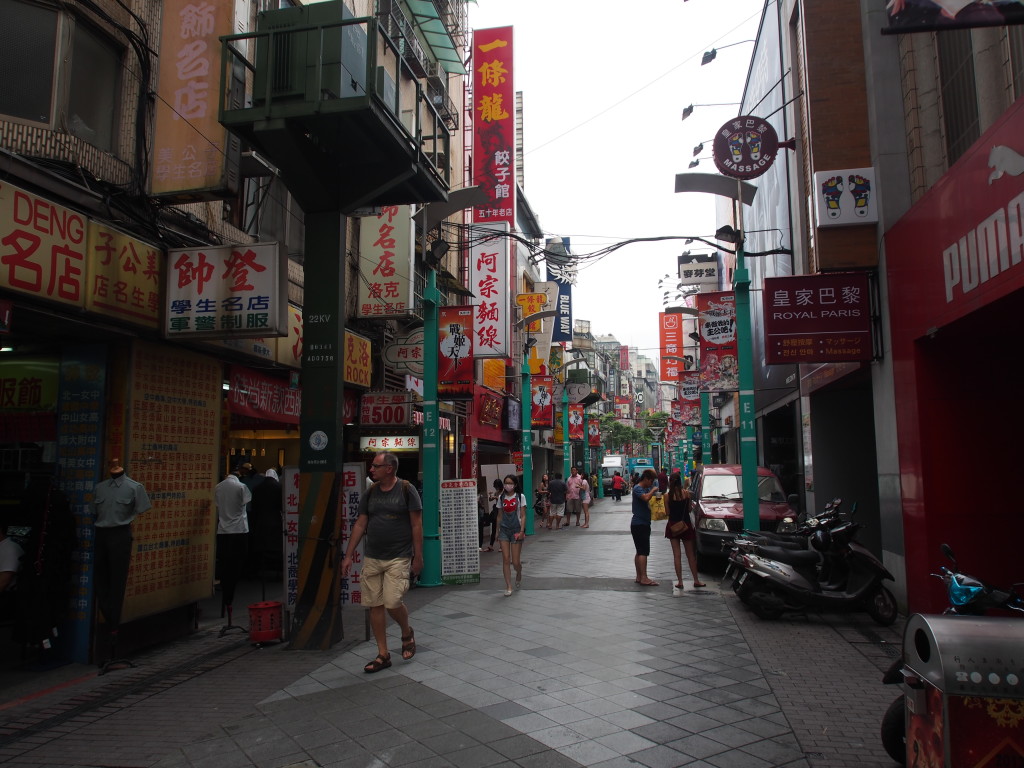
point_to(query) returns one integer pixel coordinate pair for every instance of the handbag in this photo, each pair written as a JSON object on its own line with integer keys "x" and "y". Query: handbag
{"x": 658, "y": 511}
{"x": 678, "y": 528}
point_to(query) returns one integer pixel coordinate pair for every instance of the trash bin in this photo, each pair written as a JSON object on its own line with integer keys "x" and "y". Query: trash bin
{"x": 964, "y": 686}
{"x": 264, "y": 622}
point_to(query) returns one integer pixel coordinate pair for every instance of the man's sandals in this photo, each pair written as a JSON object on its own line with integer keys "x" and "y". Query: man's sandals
{"x": 409, "y": 645}
{"x": 383, "y": 661}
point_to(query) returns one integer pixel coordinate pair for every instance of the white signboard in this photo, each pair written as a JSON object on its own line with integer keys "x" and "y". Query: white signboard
{"x": 225, "y": 292}
{"x": 460, "y": 544}
{"x": 699, "y": 269}
{"x": 353, "y": 486}
{"x": 489, "y": 282}
{"x": 842, "y": 198}
{"x": 386, "y": 244}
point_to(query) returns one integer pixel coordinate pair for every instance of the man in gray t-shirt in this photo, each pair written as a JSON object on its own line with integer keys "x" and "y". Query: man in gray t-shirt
{"x": 391, "y": 520}
{"x": 557, "y": 490}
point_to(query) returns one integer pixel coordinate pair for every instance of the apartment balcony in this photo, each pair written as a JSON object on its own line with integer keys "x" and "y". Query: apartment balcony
{"x": 333, "y": 102}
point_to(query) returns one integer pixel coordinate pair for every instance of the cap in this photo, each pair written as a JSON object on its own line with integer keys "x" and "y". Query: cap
{"x": 247, "y": 467}
{"x": 115, "y": 465}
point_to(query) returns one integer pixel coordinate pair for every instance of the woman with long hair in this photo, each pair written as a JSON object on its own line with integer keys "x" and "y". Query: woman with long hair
{"x": 511, "y": 530}
{"x": 678, "y": 504}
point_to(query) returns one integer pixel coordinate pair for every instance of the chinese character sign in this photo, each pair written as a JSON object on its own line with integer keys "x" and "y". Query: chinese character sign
{"x": 125, "y": 276}
{"x": 817, "y": 318}
{"x": 576, "y": 420}
{"x": 719, "y": 371}
{"x": 699, "y": 269}
{"x": 542, "y": 401}
{"x": 262, "y": 397}
{"x": 489, "y": 280}
{"x": 494, "y": 125}
{"x": 228, "y": 291}
{"x": 593, "y": 432}
{"x": 385, "y": 263}
{"x": 189, "y": 144}
{"x": 623, "y": 358}
{"x": 670, "y": 333}
{"x": 42, "y": 247}
{"x": 352, "y": 484}
{"x": 455, "y": 352}
{"x": 358, "y": 360}
{"x": 531, "y": 304}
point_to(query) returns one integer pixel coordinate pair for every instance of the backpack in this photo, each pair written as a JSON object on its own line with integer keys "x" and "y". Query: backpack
{"x": 405, "y": 491}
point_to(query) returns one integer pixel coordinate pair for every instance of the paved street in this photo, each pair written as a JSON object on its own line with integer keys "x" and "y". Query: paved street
{"x": 580, "y": 667}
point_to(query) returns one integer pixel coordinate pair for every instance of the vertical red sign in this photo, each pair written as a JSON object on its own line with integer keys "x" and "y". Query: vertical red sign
{"x": 542, "y": 402}
{"x": 593, "y": 432}
{"x": 576, "y": 419}
{"x": 689, "y": 398}
{"x": 494, "y": 125}
{"x": 455, "y": 352}
{"x": 717, "y": 322}
{"x": 623, "y": 358}
{"x": 670, "y": 332}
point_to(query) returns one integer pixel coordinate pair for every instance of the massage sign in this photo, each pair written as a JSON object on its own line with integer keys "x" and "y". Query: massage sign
{"x": 745, "y": 147}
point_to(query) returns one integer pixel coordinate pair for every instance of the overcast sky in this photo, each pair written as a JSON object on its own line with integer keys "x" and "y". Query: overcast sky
{"x": 604, "y": 86}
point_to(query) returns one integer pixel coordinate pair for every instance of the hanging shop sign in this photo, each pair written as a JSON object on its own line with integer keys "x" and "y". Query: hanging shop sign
{"x": 745, "y": 147}
{"x": 494, "y": 125}
{"x": 405, "y": 354}
{"x": 125, "y": 276}
{"x": 393, "y": 443}
{"x": 561, "y": 269}
{"x": 846, "y": 197}
{"x": 489, "y": 281}
{"x": 531, "y": 304}
{"x": 716, "y": 321}
{"x": 386, "y": 247}
{"x": 670, "y": 333}
{"x": 385, "y": 409}
{"x": 455, "y": 352}
{"x": 490, "y": 409}
{"x": 262, "y": 397}
{"x": 817, "y": 318}
{"x": 220, "y": 292}
{"x": 700, "y": 269}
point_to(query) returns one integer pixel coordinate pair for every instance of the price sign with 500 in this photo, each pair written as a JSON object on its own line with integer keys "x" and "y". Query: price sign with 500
{"x": 385, "y": 409}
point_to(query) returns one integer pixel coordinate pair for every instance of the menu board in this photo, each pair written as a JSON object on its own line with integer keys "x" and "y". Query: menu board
{"x": 172, "y": 437}
{"x": 460, "y": 533}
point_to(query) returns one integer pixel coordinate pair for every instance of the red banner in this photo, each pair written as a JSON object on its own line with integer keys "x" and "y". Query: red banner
{"x": 262, "y": 397}
{"x": 817, "y": 318}
{"x": 455, "y": 352}
{"x": 689, "y": 399}
{"x": 593, "y": 432}
{"x": 576, "y": 420}
{"x": 717, "y": 323}
{"x": 670, "y": 334}
{"x": 543, "y": 404}
{"x": 623, "y": 358}
{"x": 494, "y": 125}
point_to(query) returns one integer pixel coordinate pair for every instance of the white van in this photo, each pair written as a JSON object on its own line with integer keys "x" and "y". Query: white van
{"x": 611, "y": 464}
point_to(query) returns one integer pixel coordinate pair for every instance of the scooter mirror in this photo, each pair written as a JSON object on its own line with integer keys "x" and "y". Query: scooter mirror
{"x": 948, "y": 552}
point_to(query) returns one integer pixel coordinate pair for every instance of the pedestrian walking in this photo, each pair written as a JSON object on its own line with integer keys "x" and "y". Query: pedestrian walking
{"x": 640, "y": 525}
{"x": 511, "y": 531}
{"x": 557, "y": 491}
{"x": 618, "y": 485}
{"x": 391, "y": 520}
{"x": 663, "y": 480}
{"x": 542, "y": 493}
{"x": 585, "y": 499}
{"x": 678, "y": 503}
{"x": 573, "y": 499}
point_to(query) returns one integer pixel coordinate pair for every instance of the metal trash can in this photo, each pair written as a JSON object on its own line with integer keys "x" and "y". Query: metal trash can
{"x": 264, "y": 622}
{"x": 964, "y": 686}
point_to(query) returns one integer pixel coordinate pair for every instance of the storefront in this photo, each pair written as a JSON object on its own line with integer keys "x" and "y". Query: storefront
{"x": 956, "y": 296}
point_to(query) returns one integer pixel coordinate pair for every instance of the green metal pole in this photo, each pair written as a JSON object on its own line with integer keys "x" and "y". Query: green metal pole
{"x": 527, "y": 419}
{"x": 745, "y": 362}
{"x": 705, "y": 428}
{"x": 431, "y": 445}
{"x": 566, "y": 455}
{"x": 598, "y": 471}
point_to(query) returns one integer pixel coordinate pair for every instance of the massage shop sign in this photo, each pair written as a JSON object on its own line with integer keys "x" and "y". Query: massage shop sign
{"x": 230, "y": 291}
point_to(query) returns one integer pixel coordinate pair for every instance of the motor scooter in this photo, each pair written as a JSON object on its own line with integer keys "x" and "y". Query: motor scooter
{"x": 783, "y": 581}
{"x": 538, "y": 504}
{"x": 968, "y": 596}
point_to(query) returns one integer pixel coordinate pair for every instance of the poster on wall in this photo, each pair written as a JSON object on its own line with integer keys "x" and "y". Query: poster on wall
{"x": 172, "y": 448}
{"x": 352, "y": 487}
{"x": 460, "y": 553}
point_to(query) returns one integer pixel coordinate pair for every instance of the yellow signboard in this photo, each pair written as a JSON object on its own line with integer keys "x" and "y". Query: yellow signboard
{"x": 358, "y": 360}
{"x": 125, "y": 276}
{"x": 29, "y": 384}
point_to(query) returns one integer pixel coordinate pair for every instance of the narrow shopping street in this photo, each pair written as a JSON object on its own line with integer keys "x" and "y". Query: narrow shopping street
{"x": 579, "y": 667}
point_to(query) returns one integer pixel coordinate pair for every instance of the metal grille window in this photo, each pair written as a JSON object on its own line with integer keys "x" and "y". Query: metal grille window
{"x": 959, "y": 94}
{"x": 1016, "y": 38}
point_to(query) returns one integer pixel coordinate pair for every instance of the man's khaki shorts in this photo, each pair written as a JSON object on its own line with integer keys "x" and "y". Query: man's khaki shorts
{"x": 385, "y": 582}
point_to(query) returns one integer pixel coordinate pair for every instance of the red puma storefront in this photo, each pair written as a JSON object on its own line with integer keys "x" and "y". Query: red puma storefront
{"x": 955, "y": 265}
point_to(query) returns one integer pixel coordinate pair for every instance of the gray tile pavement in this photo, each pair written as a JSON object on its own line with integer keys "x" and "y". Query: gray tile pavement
{"x": 580, "y": 667}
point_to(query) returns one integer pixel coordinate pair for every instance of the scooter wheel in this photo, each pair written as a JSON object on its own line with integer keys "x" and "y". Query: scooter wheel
{"x": 882, "y": 607}
{"x": 894, "y": 730}
{"x": 763, "y": 603}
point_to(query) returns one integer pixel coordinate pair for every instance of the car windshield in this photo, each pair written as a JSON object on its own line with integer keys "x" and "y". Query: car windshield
{"x": 728, "y": 487}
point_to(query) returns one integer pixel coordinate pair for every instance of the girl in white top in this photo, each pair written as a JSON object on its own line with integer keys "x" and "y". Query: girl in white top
{"x": 511, "y": 530}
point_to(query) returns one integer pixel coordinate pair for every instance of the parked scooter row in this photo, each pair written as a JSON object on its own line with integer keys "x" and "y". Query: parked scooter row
{"x": 833, "y": 572}
{"x": 968, "y": 596}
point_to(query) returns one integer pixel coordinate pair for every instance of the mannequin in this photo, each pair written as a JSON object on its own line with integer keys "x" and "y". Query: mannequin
{"x": 232, "y": 497}
{"x": 116, "y": 502}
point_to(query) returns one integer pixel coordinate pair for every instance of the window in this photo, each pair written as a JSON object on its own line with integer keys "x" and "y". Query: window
{"x": 959, "y": 94}
{"x": 78, "y": 95}
{"x": 1016, "y": 37}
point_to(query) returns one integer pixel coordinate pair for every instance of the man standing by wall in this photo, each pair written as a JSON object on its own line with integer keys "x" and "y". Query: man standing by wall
{"x": 391, "y": 519}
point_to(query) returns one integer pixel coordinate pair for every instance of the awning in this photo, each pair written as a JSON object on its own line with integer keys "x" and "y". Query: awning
{"x": 434, "y": 34}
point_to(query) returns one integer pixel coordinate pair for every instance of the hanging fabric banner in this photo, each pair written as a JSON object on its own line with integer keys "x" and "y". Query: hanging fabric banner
{"x": 689, "y": 399}
{"x": 576, "y": 422}
{"x": 455, "y": 353}
{"x": 543, "y": 404}
{"x": 593, "y": 432}
{"x": 717, "y": 323}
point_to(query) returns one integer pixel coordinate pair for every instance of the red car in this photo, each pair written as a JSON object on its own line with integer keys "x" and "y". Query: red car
{"x": 718, "y": 507}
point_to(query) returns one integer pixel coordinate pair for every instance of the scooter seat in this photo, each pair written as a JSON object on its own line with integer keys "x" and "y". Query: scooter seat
{"x": 795, "y": 557}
